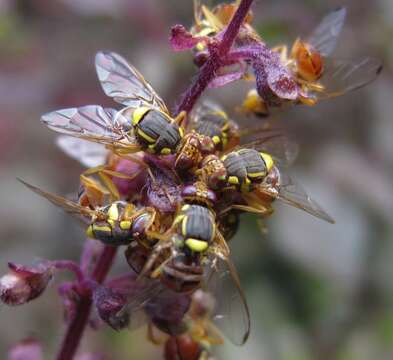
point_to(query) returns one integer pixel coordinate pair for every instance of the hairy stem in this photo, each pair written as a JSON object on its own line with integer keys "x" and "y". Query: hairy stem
{"x": 208, "y": 71}
{"x": 78, "y": 324}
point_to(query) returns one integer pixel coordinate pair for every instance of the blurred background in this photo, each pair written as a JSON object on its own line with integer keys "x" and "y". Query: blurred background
{"x": 316, "y": 291}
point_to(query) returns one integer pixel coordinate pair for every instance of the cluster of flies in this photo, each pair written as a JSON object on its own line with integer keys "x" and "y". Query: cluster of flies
{"x": 199, "y": 175}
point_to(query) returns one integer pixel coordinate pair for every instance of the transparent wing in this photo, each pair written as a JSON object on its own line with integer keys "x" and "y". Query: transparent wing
{"x": 67, "y": 205}
{"x": 150, "y": 301}
{"x": 231, "y": 313}
{"x": 341, "y": 76}
{"x": 139, "y": 295}
{"x": 88, "y": 153}
{"x": 324, "y": 37}
{"x": 283, "y": 150}
{"x": 124, "y": 83}
{"x": 204, "y": 108}
{"x": 93, "y": 123}
{"x": 290, "y": 192}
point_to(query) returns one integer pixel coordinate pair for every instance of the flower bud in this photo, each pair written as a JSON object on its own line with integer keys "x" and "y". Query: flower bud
{"x": 24, "y": 283}
{"x": 28, "y": 349}
{"x": 111, "y": 307}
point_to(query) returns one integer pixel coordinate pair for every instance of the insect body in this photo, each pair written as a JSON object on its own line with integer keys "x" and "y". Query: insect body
{"x": 115, "y": 224}
{"x": 255, "y": 173}
{"x": 120, "y": 225}
{"x": 156, "y": 130}
{"x": 246, "y": 167}
{"x": 192, "y": 149}
{"x": 183, "y": 248}
{"x": 198, "y": 193}
{"x": 211, "y": 120}
{"x": 183, "y": 273}
{"x": 317, "y": 74}
{"x": 196, "y": 225}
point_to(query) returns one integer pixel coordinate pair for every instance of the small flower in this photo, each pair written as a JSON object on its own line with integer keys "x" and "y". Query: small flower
{"x": 110, "y": 306}
{"x": 28, "y": 349}
{"x": 24, "y": 283}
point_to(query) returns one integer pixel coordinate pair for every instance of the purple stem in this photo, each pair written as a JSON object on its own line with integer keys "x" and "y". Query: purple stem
{"x": 82, "y": 313}
{"x": 71, "y": 266}
{"x": 208, "y": 71}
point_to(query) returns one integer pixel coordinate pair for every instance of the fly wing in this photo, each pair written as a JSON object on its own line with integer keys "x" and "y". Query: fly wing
{"x": 68, "y": 206}
{"x": 89, "y": 154}
{"x": 341, "y": 76}
{"x": 324, "y": 37}
{"x": 93, "y": 123}
{"x": 199, "y": 112}
{"x": 231, "y": 313}
{"x": 125, "y": 84}
{"x": 136, "y": 294}
{"x": 283, "y": 150}
{"x": 293, "y": 194}
{"x": 150, "y": 300}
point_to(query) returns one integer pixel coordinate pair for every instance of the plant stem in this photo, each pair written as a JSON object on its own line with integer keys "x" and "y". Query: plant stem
{"x": 208, "y": 71}
{"x": 70, "y": 266}
{"x": 78, "y": 324}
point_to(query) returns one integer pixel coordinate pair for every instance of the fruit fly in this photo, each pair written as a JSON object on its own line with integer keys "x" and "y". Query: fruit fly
{"x": 183, "y": 248}
{"x": 144, "y": 123}
{"x": 214, "y": 273}
{"x": 247, "y": 164}
{"x": 191, "y": 233}
{"x": 176, "y": 259}
{"x": 318, "y": 74}
{"x": 114, "y": 224}
{"x": 257, "y": 171}
{"x": 246, "y": 167}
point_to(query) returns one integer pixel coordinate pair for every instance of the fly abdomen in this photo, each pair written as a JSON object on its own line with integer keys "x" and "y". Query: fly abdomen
{"x": 101, "y": 230}
{"x": 156, "y": 131}
{"x": 197, "y": 227}
{"x": 246, "y": 167}
{"x": 181, "y": 276}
